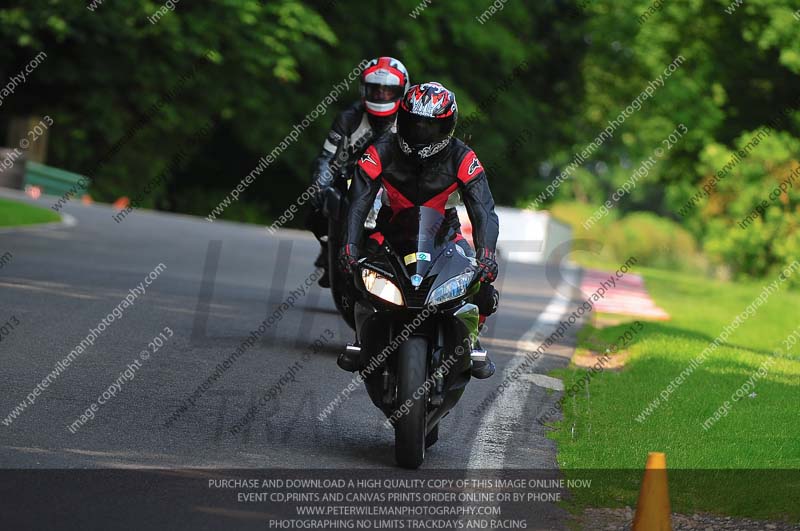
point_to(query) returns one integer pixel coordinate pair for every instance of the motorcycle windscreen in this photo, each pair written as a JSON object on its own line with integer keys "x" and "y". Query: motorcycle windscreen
{"x": 418, "y": 235}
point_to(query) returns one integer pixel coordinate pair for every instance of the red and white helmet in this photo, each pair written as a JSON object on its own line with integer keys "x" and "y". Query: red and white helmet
{"x": 383, "y": 83}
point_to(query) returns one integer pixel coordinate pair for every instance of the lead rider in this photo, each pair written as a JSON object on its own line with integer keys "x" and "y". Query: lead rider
{"x": 423, "y": 165}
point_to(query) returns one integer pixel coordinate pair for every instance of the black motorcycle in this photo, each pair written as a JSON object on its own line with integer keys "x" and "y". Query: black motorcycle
{"x": 416, "y": 327}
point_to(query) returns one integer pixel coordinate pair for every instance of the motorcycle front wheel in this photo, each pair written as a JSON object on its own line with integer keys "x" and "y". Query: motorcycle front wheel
{"x": 411, "y": 413}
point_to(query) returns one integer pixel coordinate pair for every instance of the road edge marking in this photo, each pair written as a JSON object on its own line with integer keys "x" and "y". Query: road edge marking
{"x": 489, "y": 448}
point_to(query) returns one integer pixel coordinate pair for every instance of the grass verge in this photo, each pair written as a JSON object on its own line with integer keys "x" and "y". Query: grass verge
{"x": 13, "y": 213}
{"x": 747, "y": 463}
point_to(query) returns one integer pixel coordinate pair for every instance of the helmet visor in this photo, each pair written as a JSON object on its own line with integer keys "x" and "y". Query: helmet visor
{"x": 420, "y": 130}
{"x": 376, "y": 93}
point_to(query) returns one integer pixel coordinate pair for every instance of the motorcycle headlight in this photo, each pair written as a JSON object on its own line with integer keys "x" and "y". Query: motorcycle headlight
{"x": 381, "y": 287}
{"x": 452, "y": 289}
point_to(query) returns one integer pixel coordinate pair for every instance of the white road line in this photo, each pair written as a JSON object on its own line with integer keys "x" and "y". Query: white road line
{"x": 548, "y": 382}
{"x": 68, "y": 220}
{"x": 495, "y": 430}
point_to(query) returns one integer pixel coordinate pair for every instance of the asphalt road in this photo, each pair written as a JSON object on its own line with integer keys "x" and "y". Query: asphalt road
{"x": 219, "y": 282}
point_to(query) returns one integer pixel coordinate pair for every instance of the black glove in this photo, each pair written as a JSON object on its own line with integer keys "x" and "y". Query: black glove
{"x": 487, "y": 265}
{"x": 348, "y": 258}
{"x": 318, "y": 200}
{"x": 487, "y": 300}
{"x": 318, "y": 196}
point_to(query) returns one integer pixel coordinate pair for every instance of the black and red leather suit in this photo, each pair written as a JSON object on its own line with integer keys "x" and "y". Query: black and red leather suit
{"x": 353, "y": 130}
{"x": 409, "y": 183}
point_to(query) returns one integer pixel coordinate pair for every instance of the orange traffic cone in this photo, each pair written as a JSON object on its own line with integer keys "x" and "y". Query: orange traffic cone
{"x": 121, "y": 203}
{"x": 652, "y": 510}
{"x": 86, "y": 199}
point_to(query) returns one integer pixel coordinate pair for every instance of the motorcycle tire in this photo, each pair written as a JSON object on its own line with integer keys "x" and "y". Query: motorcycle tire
{"x": 410, "y": 427}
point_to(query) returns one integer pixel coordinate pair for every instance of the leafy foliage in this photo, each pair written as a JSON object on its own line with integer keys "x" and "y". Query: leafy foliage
{"x": 751, "y": 239}
{"x": 740, "y": 74}
{"x": 536, "y": 83}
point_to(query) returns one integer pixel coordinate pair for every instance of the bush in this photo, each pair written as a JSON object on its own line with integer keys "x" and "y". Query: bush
{"x": 575, "y": 214}
{"x": 653, "y": 240}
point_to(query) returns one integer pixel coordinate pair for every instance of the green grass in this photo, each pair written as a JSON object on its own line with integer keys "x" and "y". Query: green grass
{"x": 600, "y": 430}
{"x": 14, "y": 213}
